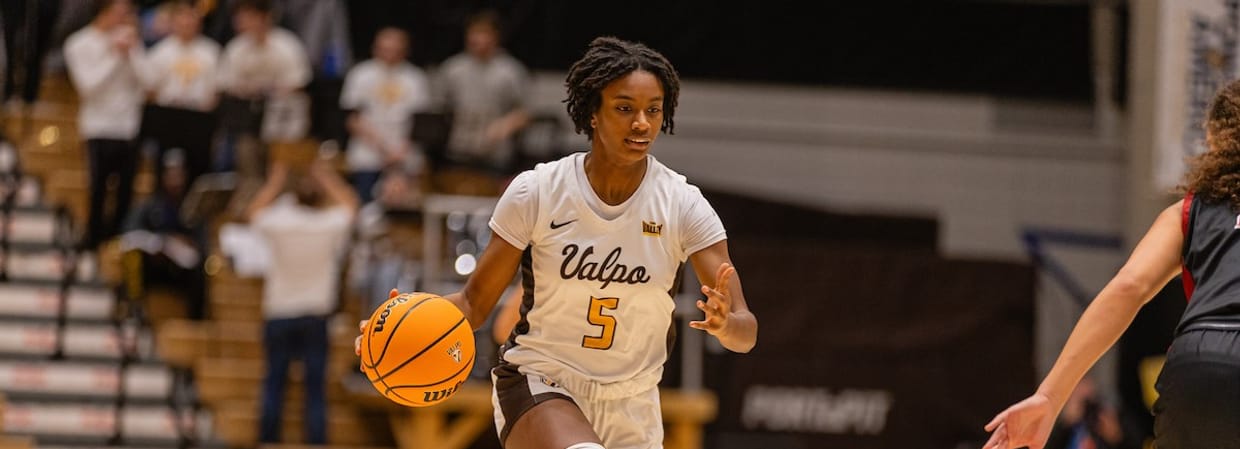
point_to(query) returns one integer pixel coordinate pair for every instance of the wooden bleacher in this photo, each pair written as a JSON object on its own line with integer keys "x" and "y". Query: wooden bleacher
{"x": 12, "y": 441}
{"x": 223, "y": 380}
{"x": 16, "y": 442}
{"x": 235, "y": 299}
{"x": 52, "y": 150}
{"x": 431, "y": 426}
{"x": 227, "y": 362}
{"x": 71, "y": 400}
{"x": 237, "y": 425}
{"x": 185, "y": 344}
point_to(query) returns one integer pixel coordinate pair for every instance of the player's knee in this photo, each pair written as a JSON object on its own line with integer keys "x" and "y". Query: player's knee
{"x": 586, "y": 446}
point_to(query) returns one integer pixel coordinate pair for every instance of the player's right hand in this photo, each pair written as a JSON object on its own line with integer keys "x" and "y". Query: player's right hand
{"x": 361, "y": 329}
{"x": 1026, "y": 423}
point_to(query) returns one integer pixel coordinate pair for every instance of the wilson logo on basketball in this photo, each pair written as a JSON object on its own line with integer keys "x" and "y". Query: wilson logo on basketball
{"x": 387, "y": 311}
{"x": 455, "y": 352}
{"x": 651, "y": 228}
{"x": 433, "y": 396}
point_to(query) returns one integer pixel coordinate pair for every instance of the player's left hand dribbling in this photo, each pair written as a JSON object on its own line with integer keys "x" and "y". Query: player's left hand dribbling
{"x": 718, "y": 304}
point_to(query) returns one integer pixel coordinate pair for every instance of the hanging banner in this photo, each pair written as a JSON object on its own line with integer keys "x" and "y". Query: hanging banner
{"x": 873, "y": 349}
{"x": 1196, "y": 56}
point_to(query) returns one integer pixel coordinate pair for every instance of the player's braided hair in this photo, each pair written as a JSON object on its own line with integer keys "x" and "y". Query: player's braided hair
{"x": 606, "y": 60}
{"x": 1215, "y": 174}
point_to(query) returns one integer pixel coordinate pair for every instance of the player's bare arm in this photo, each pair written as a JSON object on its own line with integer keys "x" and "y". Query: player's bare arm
{"x": 1154, "y": 262}
{"x": 271, "y": 189}
{"x": 727, "y": 316}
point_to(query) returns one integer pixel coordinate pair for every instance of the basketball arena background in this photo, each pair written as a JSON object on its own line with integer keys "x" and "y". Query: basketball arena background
{"x": 921, "y": 197}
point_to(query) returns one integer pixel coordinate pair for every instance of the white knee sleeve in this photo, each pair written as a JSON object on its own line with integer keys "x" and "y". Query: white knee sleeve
{"x": 586, "y": 446}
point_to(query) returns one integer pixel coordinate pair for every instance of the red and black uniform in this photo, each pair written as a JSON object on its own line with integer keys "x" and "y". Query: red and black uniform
{"x": 1199, "y": 388}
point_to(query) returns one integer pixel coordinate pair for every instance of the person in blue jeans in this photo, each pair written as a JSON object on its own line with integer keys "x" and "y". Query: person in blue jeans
{"x": 307, "y": 231}
{"x": 285, "y": 340}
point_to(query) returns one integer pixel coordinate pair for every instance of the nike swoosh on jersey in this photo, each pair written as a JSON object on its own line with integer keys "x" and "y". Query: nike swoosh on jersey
{"x": 555, "y": 225}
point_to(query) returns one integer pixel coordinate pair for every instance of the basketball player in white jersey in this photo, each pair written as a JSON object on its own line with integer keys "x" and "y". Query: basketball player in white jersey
{"x": 600, "y": 238}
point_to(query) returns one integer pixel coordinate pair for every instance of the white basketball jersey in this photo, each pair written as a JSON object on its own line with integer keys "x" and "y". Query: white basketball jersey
{"x": 597, "y": 303}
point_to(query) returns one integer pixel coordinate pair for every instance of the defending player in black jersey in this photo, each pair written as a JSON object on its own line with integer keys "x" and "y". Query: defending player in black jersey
{"x": 1198, "y": 238}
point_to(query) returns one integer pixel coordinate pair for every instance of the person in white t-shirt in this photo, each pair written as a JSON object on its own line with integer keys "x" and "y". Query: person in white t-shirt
{"x": 180, "y": 69}
{"x": 262, "y": 60}
{"x": 381, "y": 95}
{"x": 599, "y": 238}
{"x": 180, "y": 72}
{"x": 103, "y": 60}
{"x": 262, "y": 64}
{"x": 307, "y": 232}
{"x": 484, "y": 88}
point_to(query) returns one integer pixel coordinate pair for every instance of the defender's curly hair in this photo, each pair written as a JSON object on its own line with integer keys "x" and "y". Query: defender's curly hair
{"x": 608, "y": 59}
{"x": 1215, "y": 175}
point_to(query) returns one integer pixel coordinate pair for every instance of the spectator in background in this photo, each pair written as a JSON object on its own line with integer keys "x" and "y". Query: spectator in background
{"x": 307, "y": 233}
{"x": 321, "y": 28}
{"x": 180, "y": 73}
{"x": 261, "y": 64}
{"x": 484, "y": 89}
{"x": 102, "y": 59}
{"x": 172, "y": 251}
{"x": 180, "y": 69}
{"x": 381, "y": 95}
{"x": 155, "y": 22}
{"x": 262, "y": 60}
{"x": 20, "y": 54}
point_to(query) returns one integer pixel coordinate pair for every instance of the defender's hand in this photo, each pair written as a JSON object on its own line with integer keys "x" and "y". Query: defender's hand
{"x": 1026, "y": 424}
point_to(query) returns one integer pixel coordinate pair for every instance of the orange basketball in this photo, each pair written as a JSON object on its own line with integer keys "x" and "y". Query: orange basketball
{"x": 417, "y": 349}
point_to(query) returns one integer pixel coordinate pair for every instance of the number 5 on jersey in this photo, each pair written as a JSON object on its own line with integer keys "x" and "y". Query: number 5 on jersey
{"x": 596, "y": 317}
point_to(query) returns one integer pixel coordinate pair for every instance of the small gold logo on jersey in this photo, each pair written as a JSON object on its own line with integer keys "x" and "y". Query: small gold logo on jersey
{"x": 455, "y": 352}
{"x": 652, "y": 229}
